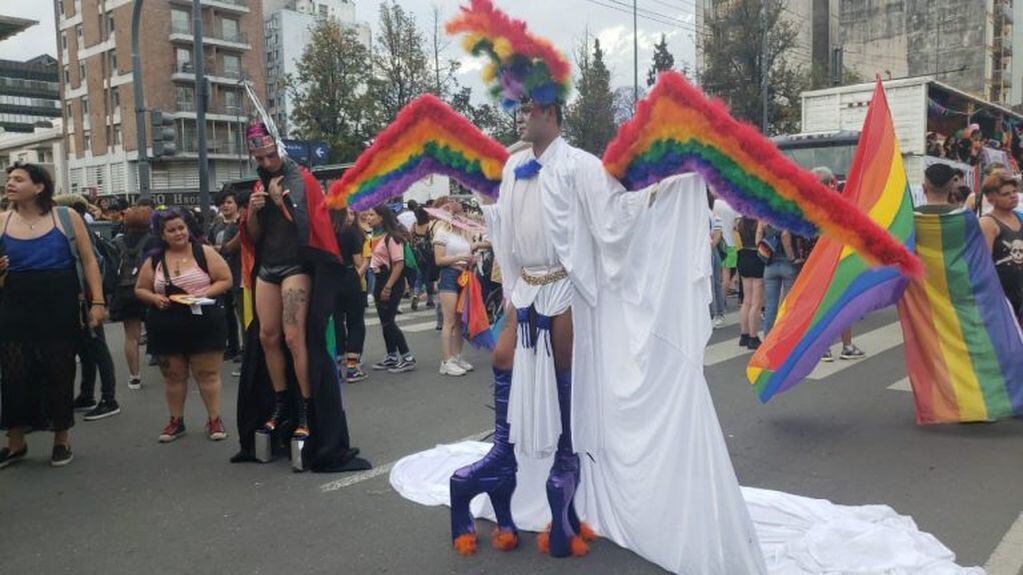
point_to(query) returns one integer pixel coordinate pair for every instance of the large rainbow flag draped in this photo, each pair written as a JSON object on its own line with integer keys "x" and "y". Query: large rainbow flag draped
{"x": 836, "y": 286}
{"x": 427, "y": 137}
{"x": 964, "y": 349}
{"x": 677, "y": 130}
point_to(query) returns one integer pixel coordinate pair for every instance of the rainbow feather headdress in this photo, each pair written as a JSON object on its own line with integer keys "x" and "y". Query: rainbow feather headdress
{"x": 679, "y": 130}
{"x": 427, "y": 137}
{"x": 522, "y": 67}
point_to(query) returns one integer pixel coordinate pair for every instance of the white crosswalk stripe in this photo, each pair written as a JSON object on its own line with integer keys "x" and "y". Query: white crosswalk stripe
{"x": 372, "y": 319}
{"x": 901, "y": 385}
{"x": 873, "y": 342}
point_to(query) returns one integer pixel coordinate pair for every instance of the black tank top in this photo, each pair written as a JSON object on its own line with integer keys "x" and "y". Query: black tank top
{"x": 1007, "y": 253}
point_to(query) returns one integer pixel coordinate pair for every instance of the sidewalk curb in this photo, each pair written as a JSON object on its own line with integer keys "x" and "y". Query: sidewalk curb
{"x": 1007, "y": 558}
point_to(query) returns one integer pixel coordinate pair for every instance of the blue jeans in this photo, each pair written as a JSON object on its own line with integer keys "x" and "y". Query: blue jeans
{"x": 778, "y": 275}
{"x": 720, "y": 304}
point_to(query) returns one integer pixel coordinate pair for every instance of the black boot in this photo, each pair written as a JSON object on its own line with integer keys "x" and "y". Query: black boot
{"x": 302, "y": 419}
{"x": 280, "y": 412}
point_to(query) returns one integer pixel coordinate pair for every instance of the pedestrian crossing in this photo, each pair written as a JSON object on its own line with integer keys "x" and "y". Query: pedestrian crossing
{"x": 874, "y": 342}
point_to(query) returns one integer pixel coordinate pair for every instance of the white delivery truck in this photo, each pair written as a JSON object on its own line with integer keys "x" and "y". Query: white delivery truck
{"x": 832, "y": 118}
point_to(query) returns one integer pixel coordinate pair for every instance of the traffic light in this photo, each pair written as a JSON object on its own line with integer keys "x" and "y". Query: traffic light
{"x": 162, "y": 126}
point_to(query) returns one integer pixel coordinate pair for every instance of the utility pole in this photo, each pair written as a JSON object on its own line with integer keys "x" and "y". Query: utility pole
{"x": 202, "y": 97}
{"x": 635, "y": 55}
{"x": 140, "y": 103}
{"x": 765, "y": 67}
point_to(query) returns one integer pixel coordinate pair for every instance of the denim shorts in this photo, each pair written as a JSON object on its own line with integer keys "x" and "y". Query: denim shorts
{"x": 448, "y": 281}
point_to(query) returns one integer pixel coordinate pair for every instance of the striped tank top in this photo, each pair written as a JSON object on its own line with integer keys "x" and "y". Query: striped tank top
{"x": 193, "y": 280}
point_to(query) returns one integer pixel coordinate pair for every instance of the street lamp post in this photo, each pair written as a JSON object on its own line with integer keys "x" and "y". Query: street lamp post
{"x": 202, "y": 95}
{"x": 140, "y": 104}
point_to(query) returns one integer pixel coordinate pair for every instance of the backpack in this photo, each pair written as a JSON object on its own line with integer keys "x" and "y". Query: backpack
{"x": 409, "y": 257}
{"x": 109, "y": 261}
{"x": 64, "y": 215}
{"x": 128, "y": 264}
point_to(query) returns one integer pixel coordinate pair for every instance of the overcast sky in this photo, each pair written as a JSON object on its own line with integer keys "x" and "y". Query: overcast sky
{"x": 564, "y": 22}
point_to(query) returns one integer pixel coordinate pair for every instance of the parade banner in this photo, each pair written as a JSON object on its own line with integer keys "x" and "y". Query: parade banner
{"x": 964, "y": 349}
{"x": 837, "y": 286}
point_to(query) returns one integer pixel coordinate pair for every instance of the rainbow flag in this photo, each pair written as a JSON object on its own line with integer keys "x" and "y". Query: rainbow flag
{"x": 427, "y": 137}
{"x": 677, "y": 130}
{"x": 964, "y": 349}
{"x": 837, "y": 286}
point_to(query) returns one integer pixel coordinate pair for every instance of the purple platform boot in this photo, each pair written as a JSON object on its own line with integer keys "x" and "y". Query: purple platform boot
{"x": 568, "y": 535}
{"x": 493, "y": 475}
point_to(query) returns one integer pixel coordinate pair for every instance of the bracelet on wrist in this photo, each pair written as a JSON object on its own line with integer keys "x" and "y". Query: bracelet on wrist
{"x": 99, "y": 303}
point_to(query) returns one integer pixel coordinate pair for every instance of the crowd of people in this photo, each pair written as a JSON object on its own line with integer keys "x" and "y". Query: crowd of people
{"x": 758, "y": 264}
{"x": 175, "y": 283}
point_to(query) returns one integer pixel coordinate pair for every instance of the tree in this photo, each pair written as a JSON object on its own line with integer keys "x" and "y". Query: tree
{"x": 590, "y": 119}
{"x": 734, "y": 59}
{"x": 663, "y": 60}
{"x": 329, "y": 91}
{"x": 400, "y": 64}
{"x": 444, "y": 84}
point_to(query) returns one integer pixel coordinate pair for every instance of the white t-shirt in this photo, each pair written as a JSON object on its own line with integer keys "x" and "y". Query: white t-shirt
{"x": 727, "y": 216}
{"x": 407, "y": 219}
{"x": 454, "y": 244}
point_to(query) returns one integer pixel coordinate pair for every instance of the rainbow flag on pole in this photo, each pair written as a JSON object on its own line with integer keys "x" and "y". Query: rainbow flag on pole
{"x": 836, "y": 286}
{"x": 964, "y": 349}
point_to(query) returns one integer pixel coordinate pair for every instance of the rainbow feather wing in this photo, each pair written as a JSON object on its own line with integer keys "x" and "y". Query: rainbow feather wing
{"x": 427, "y": 137}
{"x": 679, "y": 130}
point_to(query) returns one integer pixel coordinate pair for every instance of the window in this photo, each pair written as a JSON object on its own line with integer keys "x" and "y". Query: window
{"x": 184, "y": 59}
{"x": 84, "y": 100}
{"x": 186, "y": 99}
{"x": 323, "y": 10}
{"x": 180, "y": 22}
{"x": 232, "y": 102}
{"x": 63, "y": 42}
{"x": 60, "y": 7}
{"x": 86, "y": 141}
{"x": 81, "y": 72}
{"x": 115, "y": 98}
{"x": 229, "y": 28}
{"x": 232, "y": 66}
{"x": 78, "y": 35}
{"x": 112, "y": 61}
{"x": 117, "y": 135}
{"x": 67, "y": 75}
{"x": 69, "y": 113}
{"x": 110, "y": 24}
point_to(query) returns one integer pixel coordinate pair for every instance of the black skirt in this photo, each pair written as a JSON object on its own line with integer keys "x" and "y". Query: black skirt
{"x": 750, "y": 264}
{"x": 40, "y": 333}
{"x": 177, "y": 331}
{"x": 124, "y": 305}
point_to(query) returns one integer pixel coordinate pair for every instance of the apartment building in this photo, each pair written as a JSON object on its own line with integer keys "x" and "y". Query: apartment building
{"x": 94, "y": 53}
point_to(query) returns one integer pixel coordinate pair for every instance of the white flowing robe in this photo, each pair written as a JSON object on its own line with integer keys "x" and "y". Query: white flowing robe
{"x": 656, "y": 475}
{"x": 657, "y": 478}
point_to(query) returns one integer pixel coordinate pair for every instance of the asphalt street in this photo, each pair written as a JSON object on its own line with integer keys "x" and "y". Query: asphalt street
{"x": 130, "y": 505}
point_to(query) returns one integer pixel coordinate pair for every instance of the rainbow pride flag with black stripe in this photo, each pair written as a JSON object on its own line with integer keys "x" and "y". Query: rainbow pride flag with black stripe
{"x": 964, "y": 349}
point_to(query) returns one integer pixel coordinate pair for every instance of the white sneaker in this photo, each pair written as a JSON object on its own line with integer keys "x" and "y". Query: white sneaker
{"x": 465, "y": 365}
{"x": 718, "y": 321}
{"x": 451, "y": 368}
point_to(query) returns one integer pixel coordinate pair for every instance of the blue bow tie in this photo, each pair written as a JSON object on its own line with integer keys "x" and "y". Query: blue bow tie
{"x": 527, "y": 171}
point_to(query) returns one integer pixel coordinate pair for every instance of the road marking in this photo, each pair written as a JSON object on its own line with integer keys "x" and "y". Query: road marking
{"x": 901, "y": 385}
{"x": 1007, "y": 558}
{"x": 723, "y": 351}
{"x": 417, "y": 327}
{"x": 874, "y": 342}
{"x": 385, "y": 468}
{"x": 405, "y": 316}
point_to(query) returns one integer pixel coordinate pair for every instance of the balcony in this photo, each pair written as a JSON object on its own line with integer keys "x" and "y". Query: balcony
{"x": 182, "y": 33}
{"x": 185, "y": 72}
{"x": 236, "y": 6}
{"x": 186, "y": 109}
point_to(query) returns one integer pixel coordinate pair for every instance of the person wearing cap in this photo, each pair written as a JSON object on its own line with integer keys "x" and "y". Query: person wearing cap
{"x": 288, "y": 378}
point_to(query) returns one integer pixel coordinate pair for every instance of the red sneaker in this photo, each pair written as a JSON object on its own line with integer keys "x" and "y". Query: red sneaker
{"x": 215, "y": 429}
{"x": 175, "y": 428}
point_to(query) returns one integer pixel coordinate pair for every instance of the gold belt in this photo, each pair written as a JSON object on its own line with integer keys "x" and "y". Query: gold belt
{"x": 545, "y": 279}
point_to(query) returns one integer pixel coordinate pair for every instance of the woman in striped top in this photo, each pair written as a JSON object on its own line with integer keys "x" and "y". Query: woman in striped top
{"x": 185, "y": 339}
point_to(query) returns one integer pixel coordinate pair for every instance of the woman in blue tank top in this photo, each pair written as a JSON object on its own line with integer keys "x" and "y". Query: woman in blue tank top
{"x": 41, "y": 324}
